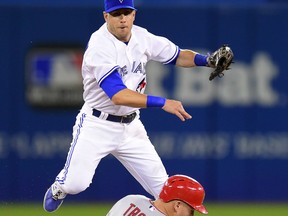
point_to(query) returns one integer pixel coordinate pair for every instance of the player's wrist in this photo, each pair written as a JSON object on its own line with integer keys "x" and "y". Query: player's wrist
{"x": 155, "y": 101}
{"x": 201, "y": 60}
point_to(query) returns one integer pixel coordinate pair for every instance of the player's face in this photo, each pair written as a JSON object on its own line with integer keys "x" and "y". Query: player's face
{"x": 120, "y": 23}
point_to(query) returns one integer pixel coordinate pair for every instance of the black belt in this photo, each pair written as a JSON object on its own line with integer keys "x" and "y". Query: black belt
{"x": 122, "y": 119}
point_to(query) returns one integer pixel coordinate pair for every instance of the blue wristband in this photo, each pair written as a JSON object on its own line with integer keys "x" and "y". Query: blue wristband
{"x": 155, "y": 101}
{"x": 200, "y": 60}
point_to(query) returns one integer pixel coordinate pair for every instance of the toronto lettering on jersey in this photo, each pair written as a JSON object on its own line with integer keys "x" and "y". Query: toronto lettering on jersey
{"x": 136, "y": 68}
{"x": 140, "y": 68}
{"x": 123, "y": 71}
{"x": 133, "y": 210}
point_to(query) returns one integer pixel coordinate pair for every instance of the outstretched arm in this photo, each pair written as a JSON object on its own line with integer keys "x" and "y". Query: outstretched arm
{"x": 221, "y": 59}
{"x": 119, "y": 94}
{"x": 190, "y": 58}
{"x": 127, "y": 97}
{"x": 186, "y": 58}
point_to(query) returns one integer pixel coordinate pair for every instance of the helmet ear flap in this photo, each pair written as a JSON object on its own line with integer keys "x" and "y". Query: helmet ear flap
{"x": 186, "y": 189}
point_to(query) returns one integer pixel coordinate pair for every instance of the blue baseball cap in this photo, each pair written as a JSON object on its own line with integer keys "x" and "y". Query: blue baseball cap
{"x": 111, "y": 5}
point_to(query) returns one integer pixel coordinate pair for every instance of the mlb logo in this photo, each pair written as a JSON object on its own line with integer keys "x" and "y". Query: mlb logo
{"x": 54, "y": 76}
{"x": 56, "y": 68}
{"x": 41, "y": 69}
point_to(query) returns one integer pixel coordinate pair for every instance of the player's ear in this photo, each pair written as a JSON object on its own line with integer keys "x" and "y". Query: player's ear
{"x": 176, "y": 205}
{"x": 134, "y": 15}
{"x": 105, "y": 15}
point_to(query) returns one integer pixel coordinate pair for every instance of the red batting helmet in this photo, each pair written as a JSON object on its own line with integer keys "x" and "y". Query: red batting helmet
{"x": 186, "y": 189}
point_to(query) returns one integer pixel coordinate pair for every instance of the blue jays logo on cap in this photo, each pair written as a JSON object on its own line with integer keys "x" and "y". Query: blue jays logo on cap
{"x": 111, "y": 5}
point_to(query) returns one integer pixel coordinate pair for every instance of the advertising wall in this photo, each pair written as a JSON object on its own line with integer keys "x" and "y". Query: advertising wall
{"x": 137, "y": 2}
{"x": 236, "y": 144}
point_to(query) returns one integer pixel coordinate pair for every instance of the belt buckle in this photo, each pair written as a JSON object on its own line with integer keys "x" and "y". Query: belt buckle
{"x": 122, "y": 118}
{"x": 129, "y": 118}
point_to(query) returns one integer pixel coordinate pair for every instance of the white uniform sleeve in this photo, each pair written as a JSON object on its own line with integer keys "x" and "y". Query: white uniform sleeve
{"x": 162, "y": 49}
{"x": 100, "y": 58}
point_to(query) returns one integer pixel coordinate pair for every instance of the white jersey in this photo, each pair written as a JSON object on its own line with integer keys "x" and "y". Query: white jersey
{"x": 105, "y": 53}
{"x": 134, "y": 205}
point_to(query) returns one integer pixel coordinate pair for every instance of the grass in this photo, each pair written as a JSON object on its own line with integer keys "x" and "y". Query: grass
{"x": 67, "y": 209}
{"x": 247, "y": 209}
{"x": 101, "y": 209}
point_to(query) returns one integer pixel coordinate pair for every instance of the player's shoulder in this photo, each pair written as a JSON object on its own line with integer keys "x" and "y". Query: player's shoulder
{"x": 101, "y": 38}
{"x": 143, "y": 33}
{"x": 99, "y": 34}
{"x": 136, "y": 197}
{"x": 140, "y": 30}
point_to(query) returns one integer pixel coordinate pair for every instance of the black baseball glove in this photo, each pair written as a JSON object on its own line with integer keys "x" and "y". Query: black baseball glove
{"x": 220, "y": 60}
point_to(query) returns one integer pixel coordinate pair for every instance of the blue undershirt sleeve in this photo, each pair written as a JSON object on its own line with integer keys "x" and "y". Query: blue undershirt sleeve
{"x": 112, "y": 84}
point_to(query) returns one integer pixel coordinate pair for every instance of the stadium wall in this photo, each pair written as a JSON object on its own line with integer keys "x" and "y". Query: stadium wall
{"x": 236, "y": 144}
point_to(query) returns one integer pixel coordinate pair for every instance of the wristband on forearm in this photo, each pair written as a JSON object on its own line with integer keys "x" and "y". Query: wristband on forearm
{"x": 200, "y": 60}
{"x": 155, "y": 101}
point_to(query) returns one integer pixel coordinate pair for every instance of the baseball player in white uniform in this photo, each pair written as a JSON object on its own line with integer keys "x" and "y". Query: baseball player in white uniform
{"x": 180, "y": 196}
{"x": 114, "y": 79}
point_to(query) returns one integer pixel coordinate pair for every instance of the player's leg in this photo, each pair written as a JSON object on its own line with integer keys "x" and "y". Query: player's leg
{"x": 140, "y": 158}
{"x": 57, "y": 192}
{"x": 83, "y": 158}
